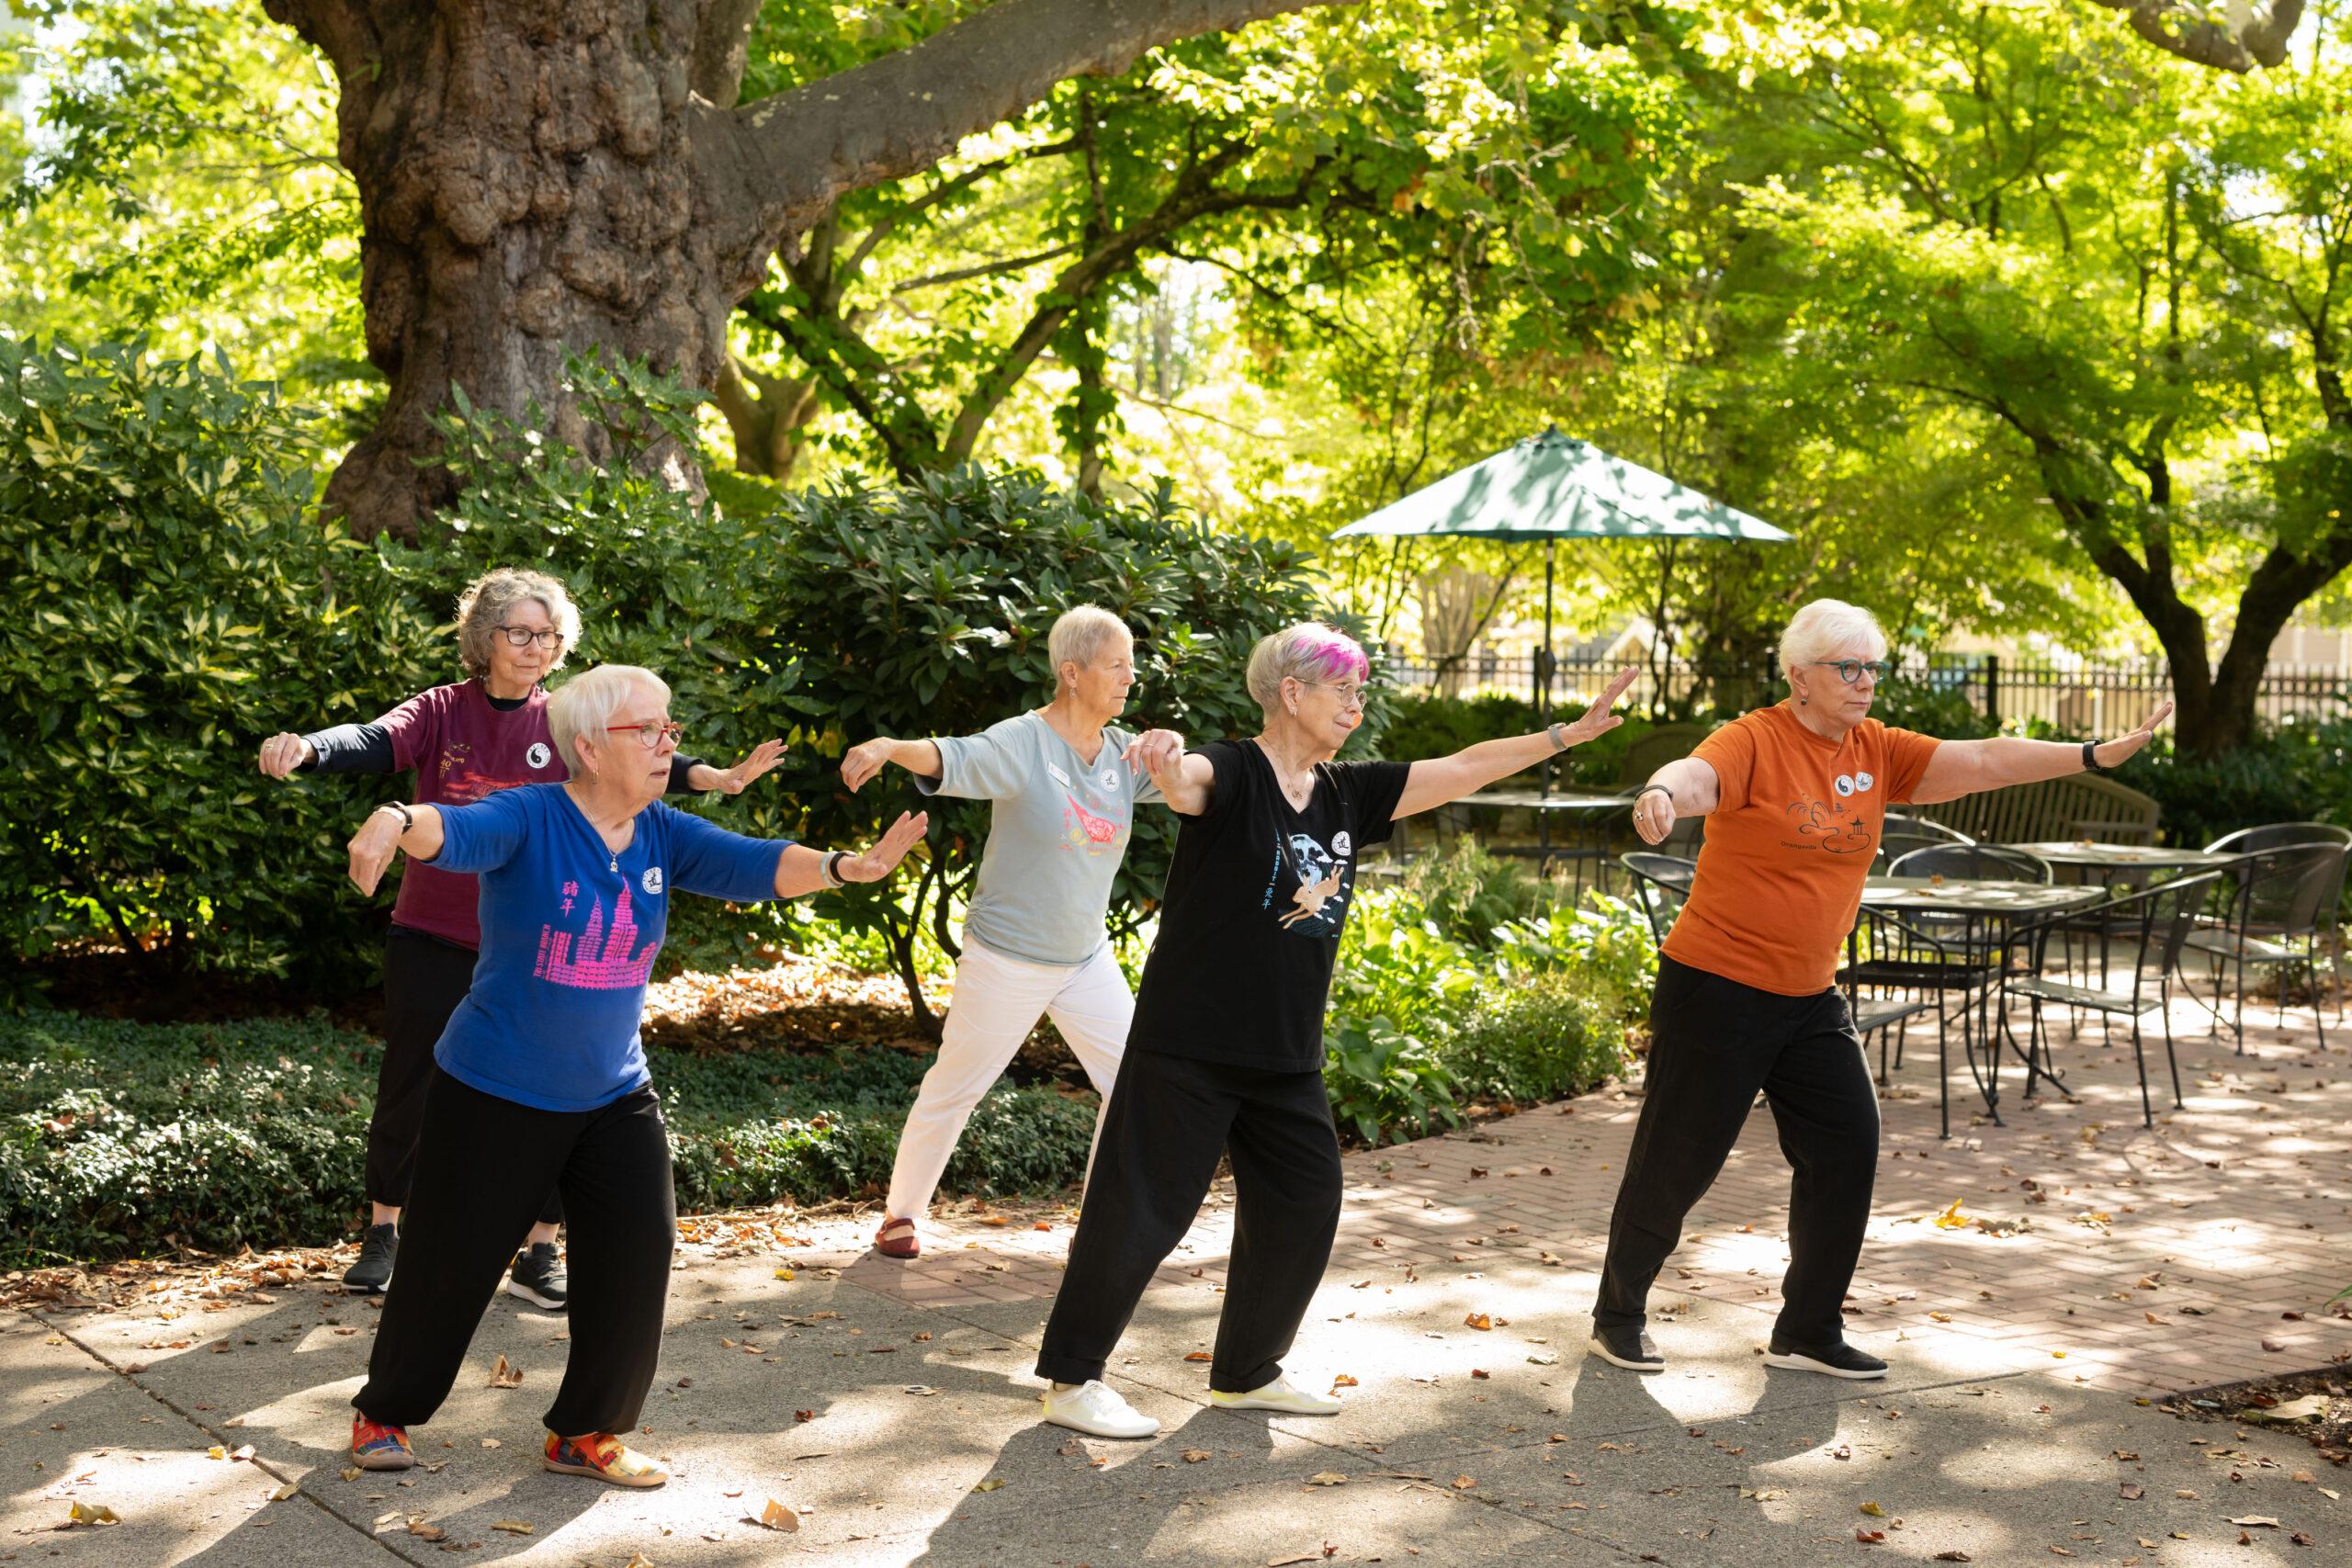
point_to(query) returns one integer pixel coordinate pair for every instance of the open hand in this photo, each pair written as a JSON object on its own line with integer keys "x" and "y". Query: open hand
{"x": 372, "y": 849}
{"x": 884, "y": 857}
{"x": 1598, "y": 720}
{"x": 863, "y": 762}
{"x": 282, "y": 753}
{"x": 2113, "y": 753}
{"x": 765, "y": 755}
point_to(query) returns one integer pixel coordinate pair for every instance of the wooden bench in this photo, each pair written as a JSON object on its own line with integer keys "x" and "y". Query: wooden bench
{"x": 2081, "y": 805}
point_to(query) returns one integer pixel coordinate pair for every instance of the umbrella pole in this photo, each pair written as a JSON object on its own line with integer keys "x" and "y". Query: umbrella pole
{"x": 1543, "y": 705}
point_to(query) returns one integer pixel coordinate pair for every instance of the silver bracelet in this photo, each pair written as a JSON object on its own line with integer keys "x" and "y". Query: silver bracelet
{"x": 829, "y": 868}
{"x": 1554, "y": 729}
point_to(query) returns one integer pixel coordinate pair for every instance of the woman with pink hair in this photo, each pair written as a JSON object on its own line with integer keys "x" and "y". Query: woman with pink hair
{"x": 1226, "y": 1054}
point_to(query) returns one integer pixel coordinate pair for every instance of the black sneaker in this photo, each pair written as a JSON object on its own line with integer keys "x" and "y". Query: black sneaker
{"x": 1630, "y": 1348}
{"x": 538, "y": 1277}
{"x": 373, "y": 1272}
{"x": 1838, "y": 1360}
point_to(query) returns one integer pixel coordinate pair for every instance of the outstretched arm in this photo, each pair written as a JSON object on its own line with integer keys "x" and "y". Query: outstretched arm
{"x": 1187, "y": 783}
{"x": 1435, "y": 781}
{"x": 384, "y": 832}
{"x": 1964, "y": 767}
{"x": 1687, "y": 787}
{"x": 800, "y": 869}
{"x": 864, "y": 760}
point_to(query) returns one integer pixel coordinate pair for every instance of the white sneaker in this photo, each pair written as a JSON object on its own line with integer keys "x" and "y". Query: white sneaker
{"x": 1096, "y": 1409}
{"x": 1280, "y": 1395}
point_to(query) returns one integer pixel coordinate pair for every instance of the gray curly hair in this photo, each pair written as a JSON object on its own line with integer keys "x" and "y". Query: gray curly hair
{"x": 487, "y": 599}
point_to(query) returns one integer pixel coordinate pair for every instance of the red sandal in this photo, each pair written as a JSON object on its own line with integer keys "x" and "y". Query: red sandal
{"x": 896, "y": 1240}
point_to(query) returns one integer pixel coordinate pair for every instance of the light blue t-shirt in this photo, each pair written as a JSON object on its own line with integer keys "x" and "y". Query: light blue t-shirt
{"x": 1057, "y": 832}
{"x": 568, "y": 932}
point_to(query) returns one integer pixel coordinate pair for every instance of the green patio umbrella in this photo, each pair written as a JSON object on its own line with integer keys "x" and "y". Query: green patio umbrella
{"x": 1553, "y": 487}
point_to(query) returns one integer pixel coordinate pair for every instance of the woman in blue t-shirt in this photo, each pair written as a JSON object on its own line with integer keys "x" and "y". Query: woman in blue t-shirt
{"x": 539, "y": 1080}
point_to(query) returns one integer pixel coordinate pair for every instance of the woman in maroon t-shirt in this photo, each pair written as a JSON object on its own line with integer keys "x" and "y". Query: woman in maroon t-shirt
{"x": 483, "y": 734}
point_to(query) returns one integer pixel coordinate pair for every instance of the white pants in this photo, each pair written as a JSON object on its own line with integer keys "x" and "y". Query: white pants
{"x": 998, "y": 1002}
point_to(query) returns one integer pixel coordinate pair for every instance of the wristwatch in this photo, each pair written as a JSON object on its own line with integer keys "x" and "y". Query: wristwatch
{"x": 2090, "y": 757}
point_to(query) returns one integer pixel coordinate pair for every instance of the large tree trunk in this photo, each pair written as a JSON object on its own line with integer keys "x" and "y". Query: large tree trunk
{"x": 538, "y": 176}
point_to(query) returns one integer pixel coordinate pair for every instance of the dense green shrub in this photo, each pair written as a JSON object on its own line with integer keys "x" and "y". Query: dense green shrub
{"x": 1555, "y": 1034}
{"x": 1386, "y": 1085}
{"x": 167, "y": 605}
{"x": 2291, "y": 772}
{"x": 173, "y": 605}
{"x": 1470, "y": 893}
{"x": 118, "y": 1138}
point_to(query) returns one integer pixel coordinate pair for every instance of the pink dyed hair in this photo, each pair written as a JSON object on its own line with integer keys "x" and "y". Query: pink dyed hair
{"x": 1311, "y": 651}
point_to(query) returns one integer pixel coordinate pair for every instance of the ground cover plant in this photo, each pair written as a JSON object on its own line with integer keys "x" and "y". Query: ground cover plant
{"x": 121, "y": 1138}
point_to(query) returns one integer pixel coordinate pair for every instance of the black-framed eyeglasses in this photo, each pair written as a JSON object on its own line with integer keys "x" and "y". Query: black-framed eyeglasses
{"x": 1850, "y": 670}
{"x": 523, "y": 636}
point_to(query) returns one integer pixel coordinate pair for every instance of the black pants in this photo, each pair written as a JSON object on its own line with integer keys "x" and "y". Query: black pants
{"x": 1713, "y": 1043}
{"x": 484, "y": 1164}
{"x": 1170, "y": 1118}
{"x": 425, "y": 979}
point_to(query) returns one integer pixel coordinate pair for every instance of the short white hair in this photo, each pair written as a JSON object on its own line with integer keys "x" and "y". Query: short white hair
{"x": 1080, "y": 636}
{"x": 586, "y": 702}
{"x": 1822, "y": 627}
{"x": 1311, "y": 651}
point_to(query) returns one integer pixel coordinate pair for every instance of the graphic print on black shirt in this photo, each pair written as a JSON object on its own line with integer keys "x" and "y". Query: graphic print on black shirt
{"x": 1258, "y": 894}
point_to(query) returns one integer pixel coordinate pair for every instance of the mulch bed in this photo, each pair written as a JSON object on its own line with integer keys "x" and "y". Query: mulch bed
{"x": 2313, "y": 1406}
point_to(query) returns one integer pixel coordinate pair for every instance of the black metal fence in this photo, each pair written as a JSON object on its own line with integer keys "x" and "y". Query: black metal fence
{"x": 2085, "y": 699}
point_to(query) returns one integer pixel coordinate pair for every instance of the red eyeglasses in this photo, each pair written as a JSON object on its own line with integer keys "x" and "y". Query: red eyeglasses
{"x": 649, "y": 736}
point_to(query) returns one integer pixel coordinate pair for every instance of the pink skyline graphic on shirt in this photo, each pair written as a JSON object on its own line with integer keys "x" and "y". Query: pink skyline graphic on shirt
{"x": 615, "y": 966}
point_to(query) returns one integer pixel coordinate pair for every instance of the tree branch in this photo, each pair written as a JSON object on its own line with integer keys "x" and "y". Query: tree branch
{"x": 722, "y": 44}
{"x": 776, "y": 160}
{"x": 2236, "y": 36}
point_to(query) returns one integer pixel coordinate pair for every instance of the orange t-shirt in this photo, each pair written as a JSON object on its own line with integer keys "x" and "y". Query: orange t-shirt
{"x": 1789, "y": 842}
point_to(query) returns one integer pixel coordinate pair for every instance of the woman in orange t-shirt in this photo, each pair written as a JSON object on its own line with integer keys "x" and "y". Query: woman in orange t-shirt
{"x": 1746, "y": 995}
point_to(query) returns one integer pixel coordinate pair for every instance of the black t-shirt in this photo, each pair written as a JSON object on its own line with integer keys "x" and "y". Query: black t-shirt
{"x": 1257, "y": 894}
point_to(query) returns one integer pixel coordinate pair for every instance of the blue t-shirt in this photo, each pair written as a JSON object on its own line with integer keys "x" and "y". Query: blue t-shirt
{"x": 568, "y": 932}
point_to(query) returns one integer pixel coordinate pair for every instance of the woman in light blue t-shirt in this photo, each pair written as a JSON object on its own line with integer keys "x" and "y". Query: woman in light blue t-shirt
{"x": 1064, "y": 794}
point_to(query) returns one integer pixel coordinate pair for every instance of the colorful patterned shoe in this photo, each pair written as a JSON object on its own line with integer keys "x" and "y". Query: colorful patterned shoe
{"x": 375, "y": 1446}
{"x": 603, "y": 1457}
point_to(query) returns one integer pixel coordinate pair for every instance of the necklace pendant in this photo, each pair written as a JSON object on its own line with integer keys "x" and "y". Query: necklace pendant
{"x": 613, "y": 862}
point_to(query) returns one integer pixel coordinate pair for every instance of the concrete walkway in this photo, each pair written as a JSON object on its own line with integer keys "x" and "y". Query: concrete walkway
{"x": 893, "y": 1402}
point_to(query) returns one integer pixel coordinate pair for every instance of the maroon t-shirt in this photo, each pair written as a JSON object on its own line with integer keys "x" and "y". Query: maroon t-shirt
{"x": 463, "y": 749}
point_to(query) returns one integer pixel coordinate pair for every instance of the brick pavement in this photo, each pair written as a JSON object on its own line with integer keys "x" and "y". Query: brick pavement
{"x": 2141, "y": 1260}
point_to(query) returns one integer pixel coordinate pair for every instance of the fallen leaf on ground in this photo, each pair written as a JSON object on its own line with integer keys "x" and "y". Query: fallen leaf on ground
{"x": 779, "y": 1517}
{"x": 1873, "y": 1511}
{"x": 350, "y": 1473}
{"x": 1954, "y": 1555}
{"x": 78, "y": 1513}
{"x": 489, "y": 1442}
{"x": 1870, "y": 1538}
{"x": 1949, "y": 1219}
{"x": 423, "y": 1531}
{"x": 216, "y": 1452}
{"x": 1463, "y": 1482}
{"x": 1316, "y": 1556}
{"x": 1478, "y": 1320}
{"x": 1344, "y": 1380}
{"x": 2133, "y": 1491}
{"x": 991, "y": 1484}
{"x": 2311, "y": 1407}
{"x": 505, "y": 1375}
{"x": 511, "y": 1527}
{"x": 1199, "y": 1355}
{"x": 2257, "y": 1521}
{"x": 1195, "y": 1456}
{"x": 1327, "y": 1478}
{"x": 283, "y": 1492}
